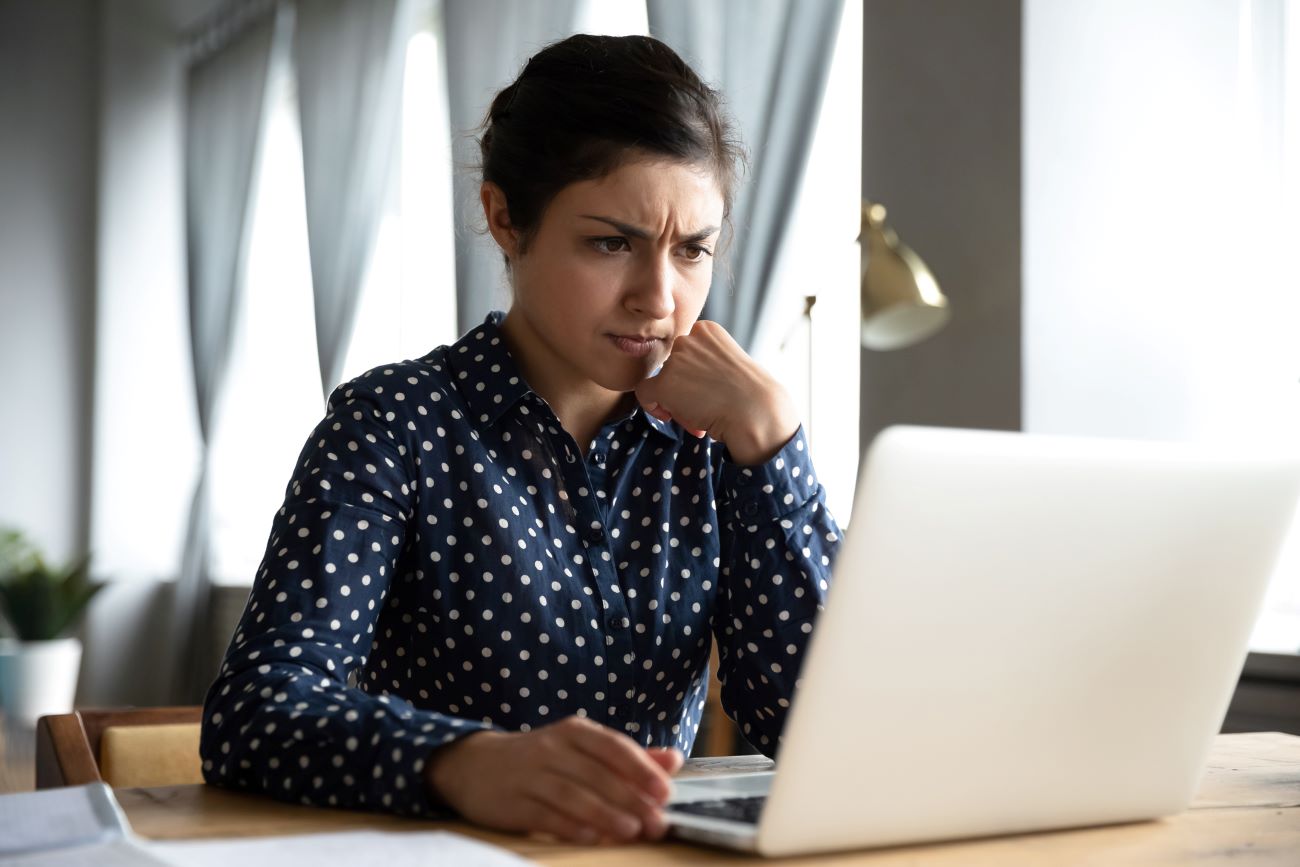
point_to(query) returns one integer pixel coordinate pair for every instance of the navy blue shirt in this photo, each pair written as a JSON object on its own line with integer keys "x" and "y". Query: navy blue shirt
{"x": 447, "y": 560}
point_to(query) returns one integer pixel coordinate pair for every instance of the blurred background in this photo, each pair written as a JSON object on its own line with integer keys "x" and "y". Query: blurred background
{"x": 211, "y": 212}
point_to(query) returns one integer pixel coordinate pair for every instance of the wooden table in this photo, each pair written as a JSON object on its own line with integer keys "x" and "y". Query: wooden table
{"x": 1248, "y": 807}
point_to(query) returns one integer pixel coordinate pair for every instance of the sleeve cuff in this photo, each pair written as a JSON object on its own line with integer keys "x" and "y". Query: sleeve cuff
{"x": 769, "y": 491}
{"x": 416, "y": 746}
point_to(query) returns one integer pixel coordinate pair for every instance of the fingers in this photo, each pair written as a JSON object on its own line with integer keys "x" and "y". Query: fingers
{"x": 623, "y": 756}
{"x": 669, "y": 758}
{"x": 708, "y": 326}
{"x": 648, "y": 393}
{"x": 698, "y": 381}
{"x": 537, "y": 815}
{"x": 575, "y": 780}
{"x": 581, "y": 809}
{"x": 617, "y": 793}
{"x": 654, "y": 408}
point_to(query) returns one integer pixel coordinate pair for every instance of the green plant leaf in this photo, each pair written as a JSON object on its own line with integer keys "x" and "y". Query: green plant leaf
{"x": 39, "y": 602}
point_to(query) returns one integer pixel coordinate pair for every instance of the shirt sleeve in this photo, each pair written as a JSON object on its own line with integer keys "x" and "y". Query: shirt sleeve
{"x": 778, "y": 543}
{"x": 286, "y": 715}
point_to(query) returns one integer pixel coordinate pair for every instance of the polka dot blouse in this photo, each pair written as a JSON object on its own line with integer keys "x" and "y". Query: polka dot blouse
{"x": 446, "y": 561}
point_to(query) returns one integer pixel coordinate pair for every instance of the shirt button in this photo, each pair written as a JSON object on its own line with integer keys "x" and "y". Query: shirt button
{"x": 613, "y": 621}
{"x": 749, "y": 509}
{"x": 593, "y": 535}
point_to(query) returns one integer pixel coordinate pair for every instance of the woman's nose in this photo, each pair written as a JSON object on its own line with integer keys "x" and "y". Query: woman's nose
{"x": 651, "y": 292}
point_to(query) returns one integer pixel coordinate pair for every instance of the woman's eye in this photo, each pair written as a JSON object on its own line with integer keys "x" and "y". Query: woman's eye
{"x": 696, "y": 252}
{"x": 610, "y": 245}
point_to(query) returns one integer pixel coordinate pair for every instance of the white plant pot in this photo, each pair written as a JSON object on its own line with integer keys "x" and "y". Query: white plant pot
{"x": 38, "y": 678}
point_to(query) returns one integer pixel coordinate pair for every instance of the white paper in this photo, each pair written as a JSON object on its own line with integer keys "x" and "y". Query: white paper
{"x": 59, "y": 818}
{"x": 113, "y": 853}
{"x": 391, "y": 849}
{"x": 83, "y": 826}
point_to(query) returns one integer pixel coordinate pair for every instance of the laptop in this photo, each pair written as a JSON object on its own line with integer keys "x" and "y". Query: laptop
{"x": 1024, "y": 632}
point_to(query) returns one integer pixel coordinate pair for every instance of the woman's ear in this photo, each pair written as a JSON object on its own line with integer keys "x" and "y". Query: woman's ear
{"x": 498, "y": 218}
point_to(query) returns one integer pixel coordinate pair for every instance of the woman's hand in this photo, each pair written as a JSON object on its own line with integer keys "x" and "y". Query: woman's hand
{"x": 709, "y": 385}
{"x": 574, "y": 779}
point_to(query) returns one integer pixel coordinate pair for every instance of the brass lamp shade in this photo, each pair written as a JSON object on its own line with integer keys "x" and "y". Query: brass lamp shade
{"x": 901, "y": 301}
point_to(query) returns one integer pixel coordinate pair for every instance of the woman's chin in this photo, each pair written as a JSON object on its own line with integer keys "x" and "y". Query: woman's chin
{"x": 623, "y": 374}
{"x": 620, "y": 385}
{"x": 625, "y": 380}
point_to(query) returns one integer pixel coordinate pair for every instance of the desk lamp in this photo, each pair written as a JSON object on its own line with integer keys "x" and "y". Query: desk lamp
{"x": 901, "y": 302}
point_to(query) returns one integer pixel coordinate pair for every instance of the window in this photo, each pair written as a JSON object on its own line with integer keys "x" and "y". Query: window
{"x": 1269, "y": 373}
{"x": 821, "y": 258}
{"x": 411, "y": 283}
{"x": 613, "y": 18}
{"x": 274, "y": 393}
{"x": 273, "y": 396}
{"x": 1161, "y": 191}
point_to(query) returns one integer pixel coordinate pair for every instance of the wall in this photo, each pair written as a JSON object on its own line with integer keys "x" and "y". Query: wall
{"x": 143, "y": 373}
{"x": 142, "y": 360}
{"x": 1129, "y": 121}
{"x": 1159, "y": 229}
{"x": 941, "y": 149}
{"x": 1161, "y": 214}
{"x": 90, "y": 196}
{"x": 48, "y": 121}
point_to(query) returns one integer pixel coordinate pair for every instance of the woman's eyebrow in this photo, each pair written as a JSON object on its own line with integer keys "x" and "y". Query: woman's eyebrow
{"x": 642, "y": 234}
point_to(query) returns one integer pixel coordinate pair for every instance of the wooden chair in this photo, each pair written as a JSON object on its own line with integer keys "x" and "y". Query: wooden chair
{"x": 159, "y": 746}
{"x": 125, "y": 747}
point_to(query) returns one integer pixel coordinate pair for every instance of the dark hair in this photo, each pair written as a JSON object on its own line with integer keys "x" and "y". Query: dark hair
{"x": 585, "y": 105}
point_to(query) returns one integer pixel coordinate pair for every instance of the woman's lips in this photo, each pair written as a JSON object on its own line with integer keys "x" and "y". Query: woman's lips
{"x": 635, "y": 346}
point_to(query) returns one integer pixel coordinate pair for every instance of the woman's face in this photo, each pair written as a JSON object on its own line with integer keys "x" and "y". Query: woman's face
{"x": 618, "y": 268}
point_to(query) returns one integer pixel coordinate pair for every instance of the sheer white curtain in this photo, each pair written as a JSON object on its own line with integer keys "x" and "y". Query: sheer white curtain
{"x": 771, "y": 59}
{"x": 405, "y": 306}
{"x": 349, "y": 58}
{"x": 488, "y": 42}
{"x": 224, "y": 119}
{"x": 818, "y": 360}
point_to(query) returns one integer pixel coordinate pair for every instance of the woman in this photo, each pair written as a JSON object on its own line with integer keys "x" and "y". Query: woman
{"x": 498, "y": 569}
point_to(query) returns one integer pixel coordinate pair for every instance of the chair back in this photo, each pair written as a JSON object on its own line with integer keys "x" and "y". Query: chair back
{"x": 124, "y": 747}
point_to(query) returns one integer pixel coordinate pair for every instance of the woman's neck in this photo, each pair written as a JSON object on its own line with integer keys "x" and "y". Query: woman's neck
{"x": 583, "y": 419}
{"x": 581, "y": 405}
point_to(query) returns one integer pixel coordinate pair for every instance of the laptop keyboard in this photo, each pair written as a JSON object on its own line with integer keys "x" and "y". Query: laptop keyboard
{"x": 736, "y": 809}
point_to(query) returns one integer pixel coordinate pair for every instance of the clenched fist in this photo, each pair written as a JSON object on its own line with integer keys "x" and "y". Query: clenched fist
{"x": 709, "y": 385}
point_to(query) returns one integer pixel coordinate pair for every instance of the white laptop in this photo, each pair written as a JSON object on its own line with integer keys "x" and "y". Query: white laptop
{"x": 1024, "y": 632}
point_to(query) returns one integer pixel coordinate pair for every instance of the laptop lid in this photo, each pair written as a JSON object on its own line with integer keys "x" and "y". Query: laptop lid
{"x": 1025, "y": 632}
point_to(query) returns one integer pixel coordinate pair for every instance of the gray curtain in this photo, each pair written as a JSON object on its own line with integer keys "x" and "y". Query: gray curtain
{"x": 225, "y": 99}
{"x": 770, "y": 59}
{"x": 488, "y": 42}
{"x": 349, "y": 58}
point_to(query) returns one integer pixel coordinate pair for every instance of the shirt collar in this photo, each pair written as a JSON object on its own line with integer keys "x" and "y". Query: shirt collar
{"x": 484, "y": 372}
{"x": 667, "y": 428}
{"x": 488, "y": 377}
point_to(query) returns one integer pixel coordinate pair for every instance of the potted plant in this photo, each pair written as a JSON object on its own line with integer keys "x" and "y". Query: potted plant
{"x": 39, "y": 604}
